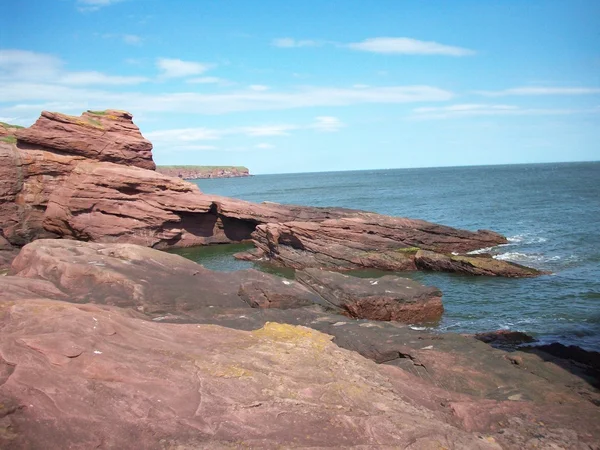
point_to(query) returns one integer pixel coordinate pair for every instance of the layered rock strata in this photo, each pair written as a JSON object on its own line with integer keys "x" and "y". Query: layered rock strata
{"x": 369, "y": 240}
{"x": 87, "y": 178}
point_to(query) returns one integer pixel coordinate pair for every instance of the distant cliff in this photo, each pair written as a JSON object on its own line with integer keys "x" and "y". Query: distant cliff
{"x": 195, "y": 172}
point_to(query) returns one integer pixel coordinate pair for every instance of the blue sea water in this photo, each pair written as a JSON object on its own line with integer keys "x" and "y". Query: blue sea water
{"x": 550, "y": 212}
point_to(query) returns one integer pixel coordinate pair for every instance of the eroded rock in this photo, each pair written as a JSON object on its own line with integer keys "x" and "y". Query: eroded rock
{"x": 385, "y": 298}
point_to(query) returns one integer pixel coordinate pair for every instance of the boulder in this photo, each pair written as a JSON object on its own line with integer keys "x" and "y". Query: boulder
{"x": 385, "y": 298}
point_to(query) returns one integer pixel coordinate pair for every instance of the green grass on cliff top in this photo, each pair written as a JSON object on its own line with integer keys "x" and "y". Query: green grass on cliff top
{"x": 8, "y": 125}
{"x": 202, "y": 168}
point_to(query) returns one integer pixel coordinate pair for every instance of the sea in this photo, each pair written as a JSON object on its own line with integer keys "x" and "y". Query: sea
{"x": 549, "y": 212}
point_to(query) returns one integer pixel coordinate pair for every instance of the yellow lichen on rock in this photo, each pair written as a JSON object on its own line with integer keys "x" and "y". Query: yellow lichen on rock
{"x": 293, "y": 334}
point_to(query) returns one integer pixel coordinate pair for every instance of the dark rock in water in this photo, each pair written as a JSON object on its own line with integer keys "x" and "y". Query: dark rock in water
{"x": 472, "y": 265}
{"x": 386, "y": 298}
{"x": 504, "y": 338}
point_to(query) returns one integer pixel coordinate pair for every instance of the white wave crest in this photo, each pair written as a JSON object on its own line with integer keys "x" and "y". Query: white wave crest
{"x": 526, "y": 238}
{"x": 526, "y": 257}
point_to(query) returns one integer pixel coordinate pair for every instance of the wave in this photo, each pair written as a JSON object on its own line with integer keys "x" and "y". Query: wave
{"x": 526, "y": 238}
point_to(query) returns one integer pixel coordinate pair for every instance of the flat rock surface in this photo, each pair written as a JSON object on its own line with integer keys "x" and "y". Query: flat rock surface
{"x": 385, "y": 298}
{"x": 99, "y": 375}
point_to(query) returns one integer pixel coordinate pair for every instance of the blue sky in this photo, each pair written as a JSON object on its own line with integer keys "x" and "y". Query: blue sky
{"x": 302, "y": 86}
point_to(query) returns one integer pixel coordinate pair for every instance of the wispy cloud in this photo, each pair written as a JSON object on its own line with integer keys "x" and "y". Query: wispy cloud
{"x": 209, "y": 80}
{"x": 408, "y": 46}
{"x": 474, "y": 110}
{"x": 176, "y": 68}
{"x": 532, "y": 90}
{"x": 328, "y": 124}
{"x": 89, "y": 78}
{"x": 129, "y": 39}
{"x": 94, "y": 5}
{"x": 217, "y": 103}
{"x": 258, "y": 87}
{"x": 26, "y": 66}
{"x": 267, "y": 130}
{"x": 294, "y": 43}
{"x": 264, "y": 146}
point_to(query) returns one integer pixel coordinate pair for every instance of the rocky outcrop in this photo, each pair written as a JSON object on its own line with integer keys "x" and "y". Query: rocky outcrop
{"x": 89, "y": 375}
{"x": 369, "y": 240}
{"x": 472, "y": 265}
{"x": 106, "y": 202}
{"x": 96, "y": 135}
{"x": 37, "y": 160}
{"x": 385, "y": 298}
{"x": 199, "y": 172}
{"x": 86, "y": 178}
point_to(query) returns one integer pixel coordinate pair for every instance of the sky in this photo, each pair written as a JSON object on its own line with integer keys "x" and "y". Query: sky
{"x": 325, "y": 85}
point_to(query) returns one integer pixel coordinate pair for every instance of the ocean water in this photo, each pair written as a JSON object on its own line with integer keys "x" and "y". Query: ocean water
{"x": 549, "y": 212}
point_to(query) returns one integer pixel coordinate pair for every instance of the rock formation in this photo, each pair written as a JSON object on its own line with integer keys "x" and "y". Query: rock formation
{"x": 199, "y": 172}
{"x": 87, "y": 178}
{"x": 368, "y": 240}
{"x": 94, "y": 374}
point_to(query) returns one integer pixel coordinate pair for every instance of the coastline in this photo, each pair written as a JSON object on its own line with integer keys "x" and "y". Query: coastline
{"x": 98, "y": 319}
{"x": 193, "y": 172}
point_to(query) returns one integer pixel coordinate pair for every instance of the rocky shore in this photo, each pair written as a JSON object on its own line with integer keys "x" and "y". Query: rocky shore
{"x": 108, "y": 342}
{"x": 199, "y": 172}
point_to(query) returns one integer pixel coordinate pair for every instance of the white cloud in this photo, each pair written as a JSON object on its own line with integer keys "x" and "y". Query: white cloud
{"x": 293, "y": 43}
{"x": 94, "y": 5}
{"x": 208, "y": 80}
{"x": 89, "y": 78}
{"x": 541, "y": 91}
{"x": 474, "y": 110}
{"x": 408, "y": 46}
{"x": 130, "y": 39}
{"x": 40, "y": 72}
{"x": 220, "y": 103}
{"x": 25, "y": 65}
{"x": 264, "y": 146}
{"x": 185, "y": 135}
{"x": 268, "y": 130}
{"x": 327, "y": 124}
{"x": 258, "y": 87}
{"x": 176, "y": 68}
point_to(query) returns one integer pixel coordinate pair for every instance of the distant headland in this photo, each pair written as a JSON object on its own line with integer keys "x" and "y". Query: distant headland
{"x": 196, "y": 172}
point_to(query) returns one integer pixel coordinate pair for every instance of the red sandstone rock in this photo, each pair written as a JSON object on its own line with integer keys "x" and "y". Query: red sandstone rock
{"x": 472, "y": 265}
{"x": 100, "y": 136}
{"x": 368, "y": 240}
{"x": 84, "y": 376}
{"x": 106, "y": 202}
{"x": 386, "y": 298}
{"x": 47, "y": 152}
